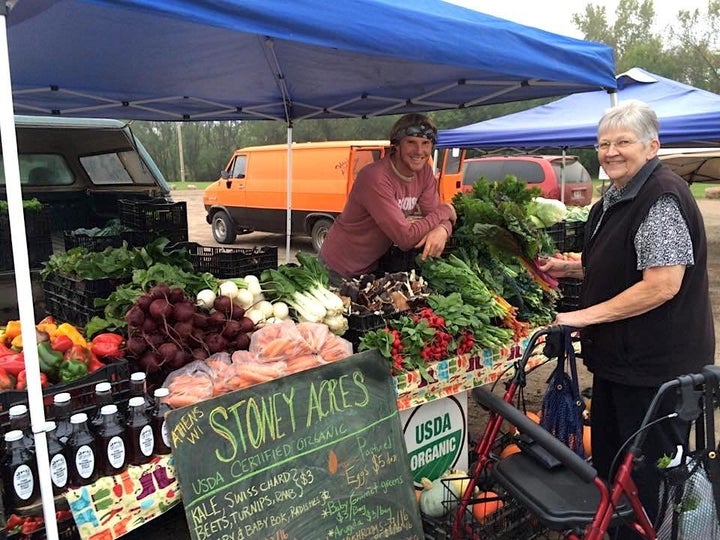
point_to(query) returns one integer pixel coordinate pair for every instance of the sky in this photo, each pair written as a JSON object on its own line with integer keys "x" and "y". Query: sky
{"x": 556, "y": 15}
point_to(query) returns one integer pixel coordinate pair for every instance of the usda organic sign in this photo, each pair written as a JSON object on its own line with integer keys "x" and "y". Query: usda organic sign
{"x": 436, "y": 436}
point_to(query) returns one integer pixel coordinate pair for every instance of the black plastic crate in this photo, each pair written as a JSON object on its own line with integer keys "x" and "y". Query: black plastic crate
{"x": 397, "y": 260}
{"x": 73, "y": 300}
{"x": 82, "y": 391}
{"x": 231, "y": 262}
{"x": 91, "y": 243}
{"x": 143, "y": 238}
{"x": 574, "y": 235}
{"x": 39, "y": 239}
{"x": 557, "y": 235}
{"x": 152, "y": 215}
{"x": 570, "y": 290}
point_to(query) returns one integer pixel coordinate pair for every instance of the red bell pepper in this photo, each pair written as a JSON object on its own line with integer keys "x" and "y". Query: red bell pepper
{"x": 61, "y": 343}
{"x": 13, "y": 363}
{"x": 21, "y": 383}
{"x": 5, "y": 350}
{"x": 94, "y": 363}
{"x": 77, "y": 352}
{"x": 7, "y": 381}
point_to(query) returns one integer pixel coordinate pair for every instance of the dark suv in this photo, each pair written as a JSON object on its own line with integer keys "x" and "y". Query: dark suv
{"x": 78, "y": 168}
{"x": 544, "y": 172}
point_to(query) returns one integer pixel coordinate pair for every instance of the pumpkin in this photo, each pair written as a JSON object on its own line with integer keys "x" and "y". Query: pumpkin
{"x": 509, "y": 450}
{"x": 432, "y": 498}
{"x": 535, "y": 417}
{"x": 457, "y": 481}
{"x": 483, "y": 509}
{"x": 587, "y": 441}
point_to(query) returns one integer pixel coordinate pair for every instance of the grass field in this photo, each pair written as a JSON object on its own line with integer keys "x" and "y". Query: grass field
{"x": 698, "y": 189}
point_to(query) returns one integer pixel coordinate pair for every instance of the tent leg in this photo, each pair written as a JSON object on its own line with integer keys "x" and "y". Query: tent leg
{"x": 23, "y": 283}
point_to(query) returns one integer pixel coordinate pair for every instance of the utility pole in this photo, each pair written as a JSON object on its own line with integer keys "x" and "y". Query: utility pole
{"x": 178, "y": 126}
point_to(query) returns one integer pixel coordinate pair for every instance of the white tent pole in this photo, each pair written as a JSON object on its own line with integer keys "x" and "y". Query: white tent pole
{"x": 23, "y": 281}
{"x": 288, "y": 188}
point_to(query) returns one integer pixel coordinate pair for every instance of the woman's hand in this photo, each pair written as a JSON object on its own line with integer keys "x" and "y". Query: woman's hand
{"x": 560, "y": 268}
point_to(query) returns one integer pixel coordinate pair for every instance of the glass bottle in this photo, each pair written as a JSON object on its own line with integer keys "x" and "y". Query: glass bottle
{"x": 62, "y": 410}
{"x": 110, "y": 437}
{"x": 82, "y": 452}
{"x": 19, "y": 473}
{"x": 20, "y": 419}
{"x": 58, "y": 459}
{"x": 103, "y": 396}
{"x": 138, "y": 432}
{"x": 138, "y": 388}
{"x": 159, "y": 425}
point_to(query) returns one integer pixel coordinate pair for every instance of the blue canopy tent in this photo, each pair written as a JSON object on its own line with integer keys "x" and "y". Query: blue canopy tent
{"x": 179, "y": 60}
{"x": 688, "y": 117}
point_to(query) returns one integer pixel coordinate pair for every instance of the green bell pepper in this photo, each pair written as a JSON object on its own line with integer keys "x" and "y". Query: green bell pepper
{"x": 50, "y": 359}
{"x": 72, "y": 370}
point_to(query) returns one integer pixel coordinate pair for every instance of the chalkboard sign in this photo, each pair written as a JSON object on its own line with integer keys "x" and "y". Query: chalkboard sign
{"x": 318, "y": 454}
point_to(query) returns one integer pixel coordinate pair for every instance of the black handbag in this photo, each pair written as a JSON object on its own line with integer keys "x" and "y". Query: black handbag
{"x": 562, "y": 408}
{"x": 690, "y": 492}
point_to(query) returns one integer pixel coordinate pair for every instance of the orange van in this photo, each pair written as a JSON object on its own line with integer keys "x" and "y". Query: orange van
{"x": 251, "y": 194}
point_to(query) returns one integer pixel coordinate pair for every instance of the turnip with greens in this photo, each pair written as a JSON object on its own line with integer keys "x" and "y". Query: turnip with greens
{"x": 280, "y": 310}
{"x": 205, "y": 299}
{"x": 306, "y": 307}
{"x": 253, "y": 284}
{"x": 244, "y": 298}
{"x": 255, "y": 315}
{"x": 228, "y": 289}
{"x": 266, "y": 308}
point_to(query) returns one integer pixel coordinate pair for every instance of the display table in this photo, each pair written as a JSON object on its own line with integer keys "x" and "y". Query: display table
{"x": 458, "y": 374}
{"x": 115, "y": 505}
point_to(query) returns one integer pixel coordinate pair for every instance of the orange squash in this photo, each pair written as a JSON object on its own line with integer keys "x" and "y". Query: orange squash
{"x": 509, "y": 450}
{"x": 482, "y": 510}
{"x": 535, "y": 417}
{"x": 587, "y": 443}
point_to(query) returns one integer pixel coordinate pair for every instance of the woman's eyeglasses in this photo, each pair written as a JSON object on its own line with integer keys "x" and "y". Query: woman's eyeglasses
{"x": 620, "y": 145}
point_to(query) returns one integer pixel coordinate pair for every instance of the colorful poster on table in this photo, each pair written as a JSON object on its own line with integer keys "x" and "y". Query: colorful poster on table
{"x": 317, "y": 454}
{"x": 115, "y": 505}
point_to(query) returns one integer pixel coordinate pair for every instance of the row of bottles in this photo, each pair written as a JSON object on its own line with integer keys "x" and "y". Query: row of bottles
{"x": 82, "y": 448}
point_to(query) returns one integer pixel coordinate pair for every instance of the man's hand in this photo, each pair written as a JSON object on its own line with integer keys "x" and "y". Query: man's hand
{"x": 433, "y": 243}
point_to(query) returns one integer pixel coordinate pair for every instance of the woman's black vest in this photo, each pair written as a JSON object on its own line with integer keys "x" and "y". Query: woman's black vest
{"x": 673, "y": 339}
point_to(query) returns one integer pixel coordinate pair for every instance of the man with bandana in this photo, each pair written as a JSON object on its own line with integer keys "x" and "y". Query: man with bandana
{"x": 394, "y": 201}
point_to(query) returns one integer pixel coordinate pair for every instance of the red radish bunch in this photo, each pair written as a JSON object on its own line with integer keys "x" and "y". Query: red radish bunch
{"x": 166, "y": 330}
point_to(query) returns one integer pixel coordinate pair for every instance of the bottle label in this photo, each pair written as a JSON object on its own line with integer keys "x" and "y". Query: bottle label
{"x": 147, "y": 440}
{"x": 59, "y": 470}
{"x": 165, "y": 432}
{"x": 23, "y": 482}
{"x": 116, "y": 452}
{"x": 85, "y": 461}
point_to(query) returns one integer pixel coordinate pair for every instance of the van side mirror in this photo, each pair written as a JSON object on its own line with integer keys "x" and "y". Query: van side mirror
{"x": 224, "y": 174}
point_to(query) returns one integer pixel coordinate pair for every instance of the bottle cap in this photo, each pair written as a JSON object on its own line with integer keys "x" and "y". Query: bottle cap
{"x": 50, "y": 426}
{"x": 17, "y": 410}
{"x": 137, "y": 401}
{"x": 137, "y": 376}
{"x": 62, "y": 397}
{"x": 161, "y": 392}
{"x": 14, "y": 435}
{"x": 103, "y": 387}
{"x": 108, "y": 409}
{"x": 78, "y": 418}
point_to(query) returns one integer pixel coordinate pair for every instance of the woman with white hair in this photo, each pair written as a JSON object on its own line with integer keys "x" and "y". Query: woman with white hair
{"x": 645, "y": 314}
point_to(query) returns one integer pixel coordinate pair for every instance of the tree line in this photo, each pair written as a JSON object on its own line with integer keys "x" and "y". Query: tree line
{"x": 687, "y": 51}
